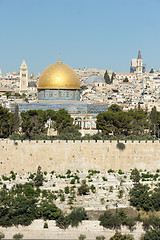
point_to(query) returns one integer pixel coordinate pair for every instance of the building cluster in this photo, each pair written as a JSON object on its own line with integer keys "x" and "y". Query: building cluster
{"x": 128, "y": 90}
{"x": 16, "y": 85}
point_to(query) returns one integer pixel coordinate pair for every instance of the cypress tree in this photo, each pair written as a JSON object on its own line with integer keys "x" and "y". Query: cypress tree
{"x": 107, "y": 78}
{"x": 16, "y": 121}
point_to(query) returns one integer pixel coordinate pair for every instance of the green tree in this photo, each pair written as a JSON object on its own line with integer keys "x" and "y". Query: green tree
{"x": 63, "y": 120}
{"x": 2, "y": 235}
{"x": 8, "y": 94}
{"x": 153, "y": 234}
{"x": 70, "y": 132}
{"x": 151, "y": 222}
{"x": 16, "y": 120}
{"x": 33, "y": 122}
{"x": 114, "y": 108}
{"x": 154, "y": 119}
{"x": 140, "y": 197}
{"x": 151, "y": 71}
{"x": 77, "y": 215}
{"x": 38, "y": 180}
{"x": 107, "y": 78}
{"x": 6, "y": 122}
{"x": 63, "y": 221}
{"x": 82, "y": 237}
{"x": 111, "y": 220}
{"x": 135, "y": 176}
{"x": 119, "y": 236}
{"x": 83, "y": 189}
{"x": 49, "y": 211}
{"x": 18, "y": 236}
{"x": 100, "y": 237}
{"x": 16, "y": 207}
{"x": 113, "y": 77}
{"x": 126, "y": 80}
{"x": 139, "y": 121}
{"x": 50, "y": 114}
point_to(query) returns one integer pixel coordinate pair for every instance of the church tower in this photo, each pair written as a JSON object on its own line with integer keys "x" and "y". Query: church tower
{"x": 139, "y": 63}
{"x": 23, "y": 76}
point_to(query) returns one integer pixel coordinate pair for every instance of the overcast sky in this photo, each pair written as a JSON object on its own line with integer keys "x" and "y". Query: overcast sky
{"x": 102, "y": 34}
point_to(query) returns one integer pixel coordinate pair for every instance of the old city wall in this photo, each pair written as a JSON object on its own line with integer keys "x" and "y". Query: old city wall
{"x": 26, "y": 156}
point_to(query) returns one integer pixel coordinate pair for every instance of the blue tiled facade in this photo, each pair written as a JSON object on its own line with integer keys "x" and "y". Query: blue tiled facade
{"x": 71, "y": 107}
{"x": 58, "y": 94}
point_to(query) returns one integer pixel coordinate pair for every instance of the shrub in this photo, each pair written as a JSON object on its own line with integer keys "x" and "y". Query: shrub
{"x": 45, "y": 225}
{"x": 2, "y": 235}
{"x": 31, "y": 176}
{"x": 104, "y": 179}
{"x": 62, "y": 198}
{"x": 121, "y": 146}
{"x": 152, "y": 222}
{"x": 100, "y": 237}
{"x": 110, "y": 220}
{"x": 120, "y": 193}
{"x": 5, "y": 178}
{"x": 120, "y": 172}
{"x": 153, "y": 234}
{"x": 68, "y": 172}
{"x": 135, "y": 176}
{"x": 66, "y": 190}
{"x": 77, "y": 215}
{"x": 83, "y": 189}
{"x": 110, "y": 171}
{"x": 63, "y": 221}
{"x": 72, "y": 181}
{"x": 119, "y": 236}
{"x": 130, "y": 223}
{"x": 82, "y": 237}
{"x": 93, "y": 188}
{"x": 140, "y": 197}
{"x": 13, "y": 175}
{"x": 18, "y": 236}
{"x": 38, "y": 180}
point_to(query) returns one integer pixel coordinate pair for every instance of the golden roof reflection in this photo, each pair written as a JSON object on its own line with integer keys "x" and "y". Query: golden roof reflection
{"x": 58, "y": 76}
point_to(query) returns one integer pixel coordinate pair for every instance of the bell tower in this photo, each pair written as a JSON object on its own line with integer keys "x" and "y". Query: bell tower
{"x": 23, "y": 76}
{"x": 139, "y": 63}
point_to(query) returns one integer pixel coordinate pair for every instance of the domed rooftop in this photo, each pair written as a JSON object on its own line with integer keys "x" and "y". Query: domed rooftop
{"x": 58, "y": 76}
{"x": 93, "y": 79}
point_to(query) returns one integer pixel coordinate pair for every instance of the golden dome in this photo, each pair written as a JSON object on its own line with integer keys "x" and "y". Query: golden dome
{"x": 58, "y": 76}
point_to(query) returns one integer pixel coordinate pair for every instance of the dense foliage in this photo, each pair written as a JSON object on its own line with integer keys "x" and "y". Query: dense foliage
{"x": 117, "y": 122}
{"x": 143, "y": 198}
{"x": 114, "y": 124}
{"x": 23, "y": 203}
{"x": 153, "y": 234}
{"x": 119, "y": 236}
{"x": 6, "y": 122}
{"x": 114, "y": 220}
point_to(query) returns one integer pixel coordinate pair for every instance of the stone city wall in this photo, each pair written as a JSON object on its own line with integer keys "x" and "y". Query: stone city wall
{"x": 57, "y": 155}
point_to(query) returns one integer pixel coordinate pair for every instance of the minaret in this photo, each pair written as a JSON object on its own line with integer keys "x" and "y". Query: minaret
{"x": 0, "y": 74}
{"x": 23, "y": 76}
{"x": 139, "y": 63}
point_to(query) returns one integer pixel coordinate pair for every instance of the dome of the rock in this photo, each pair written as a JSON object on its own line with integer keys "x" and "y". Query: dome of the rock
{"x": 58, "y": 81}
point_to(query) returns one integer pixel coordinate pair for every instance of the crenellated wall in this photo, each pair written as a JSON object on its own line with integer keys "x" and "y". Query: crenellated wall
{"x": 58, "y": 155}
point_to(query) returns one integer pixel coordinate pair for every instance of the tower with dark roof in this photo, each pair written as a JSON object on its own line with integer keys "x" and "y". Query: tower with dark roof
{"x": 139, "y": 63}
